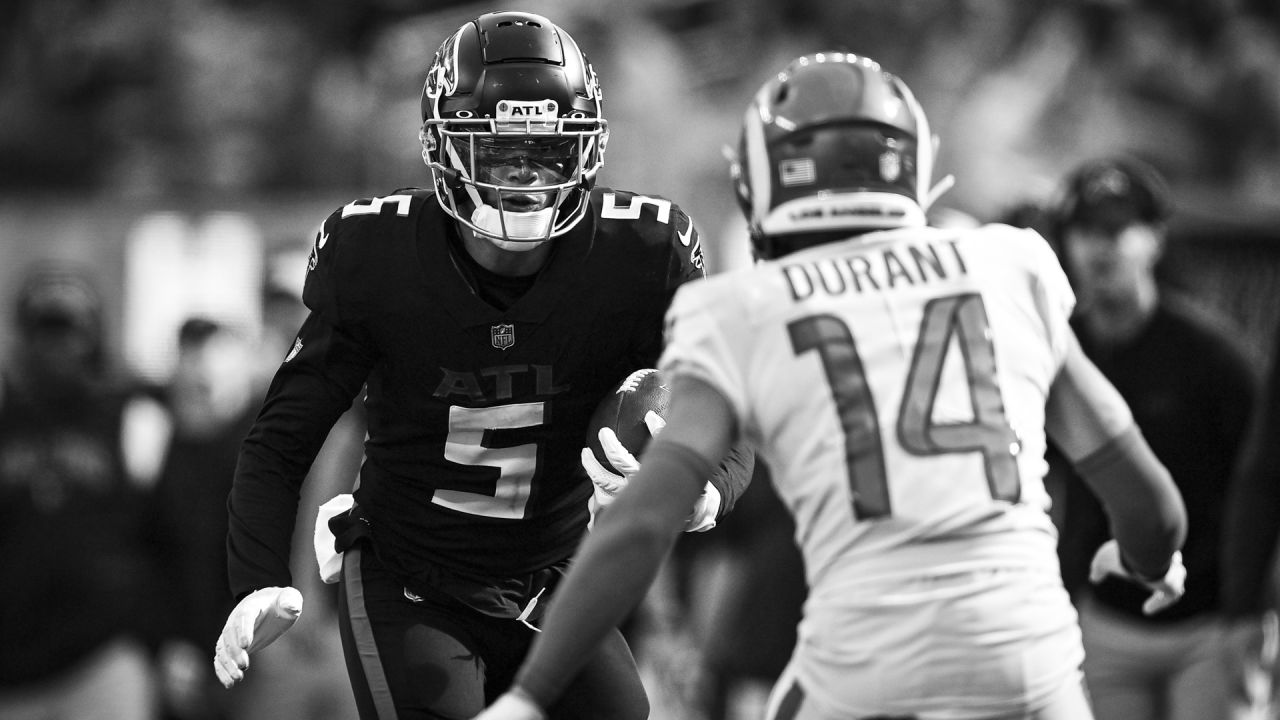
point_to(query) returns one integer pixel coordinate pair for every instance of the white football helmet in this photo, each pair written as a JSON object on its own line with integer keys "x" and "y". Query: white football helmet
{"x": 832, "y": 146}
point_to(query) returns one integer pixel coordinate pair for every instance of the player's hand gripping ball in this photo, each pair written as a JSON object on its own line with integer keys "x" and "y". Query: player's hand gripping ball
{"x": 619, "y": 430}
{"x": 624, "y": 412}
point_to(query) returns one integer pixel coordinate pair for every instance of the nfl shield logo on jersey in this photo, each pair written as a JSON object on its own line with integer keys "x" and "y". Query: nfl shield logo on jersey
{"x": 502, "y": 336}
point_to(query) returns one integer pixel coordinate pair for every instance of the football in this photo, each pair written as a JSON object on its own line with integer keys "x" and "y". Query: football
{"x": 624, "y": 410}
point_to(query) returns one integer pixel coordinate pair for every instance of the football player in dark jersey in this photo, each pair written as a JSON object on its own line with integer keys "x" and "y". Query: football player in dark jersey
{"x": 484, "y": 318}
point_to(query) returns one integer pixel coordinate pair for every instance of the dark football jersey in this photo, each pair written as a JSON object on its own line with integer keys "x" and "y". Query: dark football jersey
{"x": 477, "y": 415}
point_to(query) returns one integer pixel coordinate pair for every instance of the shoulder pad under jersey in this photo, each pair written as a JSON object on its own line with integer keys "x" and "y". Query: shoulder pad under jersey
{"x": 653, "y": 220}
{"x": 343, "y": 243}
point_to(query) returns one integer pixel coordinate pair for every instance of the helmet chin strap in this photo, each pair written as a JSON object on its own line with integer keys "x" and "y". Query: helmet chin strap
{"x": 500, "y": 224}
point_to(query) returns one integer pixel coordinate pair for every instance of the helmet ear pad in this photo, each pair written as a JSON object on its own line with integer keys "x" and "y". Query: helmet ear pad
{"x": 446, "y": 178}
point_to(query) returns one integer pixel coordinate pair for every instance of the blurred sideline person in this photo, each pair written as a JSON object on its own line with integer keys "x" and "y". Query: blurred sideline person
{"x": 482, "y": 321}
{"x": 80, "y": 447}
{"x": 899, "y": 381}
{"x": 212, "y": 399}
{"x": 1192, "y": 391}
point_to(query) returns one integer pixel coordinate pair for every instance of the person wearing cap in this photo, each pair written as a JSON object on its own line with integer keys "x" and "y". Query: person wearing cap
{"x": 58, "y": 315}
{"x": 79, "y": 447}
{"x": 1192, "y": 393}
{"x": 212, "y": 399}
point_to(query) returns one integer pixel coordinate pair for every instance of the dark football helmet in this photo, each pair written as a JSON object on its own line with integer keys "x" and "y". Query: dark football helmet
{"x": 832, "y": 146}
{"x": 512, "y": 128}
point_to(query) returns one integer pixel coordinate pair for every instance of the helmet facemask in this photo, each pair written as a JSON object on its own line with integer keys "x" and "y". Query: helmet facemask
{"x": 518, "y": 187}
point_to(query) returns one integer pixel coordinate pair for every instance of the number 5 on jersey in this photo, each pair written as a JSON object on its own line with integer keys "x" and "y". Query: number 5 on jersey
{"x": 503, "y": 490}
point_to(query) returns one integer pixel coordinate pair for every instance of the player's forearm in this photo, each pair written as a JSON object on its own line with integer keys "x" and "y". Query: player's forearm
{"x": 1147, "y": 514}
{"x": 614, "y": 569}
{"x": 261, "y": 511}
{"x": 263, "y": 504}
{"x": 310, "y": 391}
{"x": 608, "y": 580}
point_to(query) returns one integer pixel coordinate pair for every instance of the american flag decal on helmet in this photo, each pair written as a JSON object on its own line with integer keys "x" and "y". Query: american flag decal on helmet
{"x": 797, "y": 171}
{"x": 502, "y": 336}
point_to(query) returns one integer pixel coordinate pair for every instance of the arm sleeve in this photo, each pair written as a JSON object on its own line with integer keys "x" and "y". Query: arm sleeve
{"x": 307, "y": 396}
{"x": 733, "y": 476}
{"x": 1148, "y": 518}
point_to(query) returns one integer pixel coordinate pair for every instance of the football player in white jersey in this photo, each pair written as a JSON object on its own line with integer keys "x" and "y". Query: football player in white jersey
{"x": 900, "y": 380}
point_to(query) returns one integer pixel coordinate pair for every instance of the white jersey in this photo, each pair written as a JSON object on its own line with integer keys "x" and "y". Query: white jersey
{"x": 895, "y": 385}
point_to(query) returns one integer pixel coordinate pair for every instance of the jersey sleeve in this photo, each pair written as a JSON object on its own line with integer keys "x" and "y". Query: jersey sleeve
{"x": 1054, "y": 298}
{"x": 324, "y": 269}
{"x": 317, "y": 382}
{"x": 672, "y": 257}
{"x": 705, "y": 342}
{"x": 687, "y": 262}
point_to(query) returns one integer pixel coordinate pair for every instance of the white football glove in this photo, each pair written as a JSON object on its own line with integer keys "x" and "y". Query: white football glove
{"x": 512, "y": 705}
{"x": 329, "y": 560}
{"x": 1164, "y": 592}
{"x": 606, "y": 484}
{"x": 257, "y": 620}
{"x": 703, "y": 517}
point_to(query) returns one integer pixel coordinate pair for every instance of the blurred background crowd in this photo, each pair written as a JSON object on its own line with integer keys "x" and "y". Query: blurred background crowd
{"x": 165, "y": 163}
{"x": 212, "y": 131}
